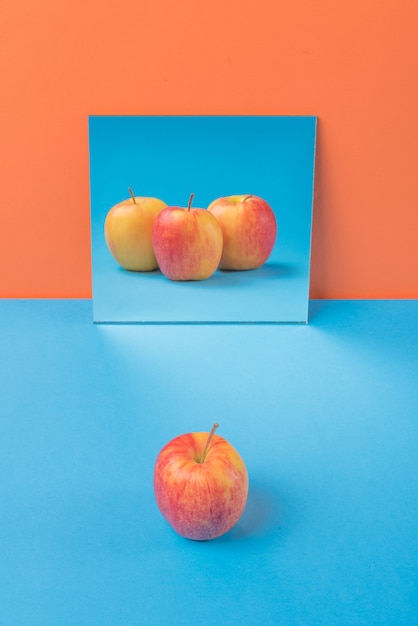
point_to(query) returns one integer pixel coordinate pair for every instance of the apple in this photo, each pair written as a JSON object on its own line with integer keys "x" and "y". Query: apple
{"x": 249, "y": 230}
{"x": 200, "y": 485}
{"x": 187, "y": 242}
{"x": 128, "y": 232}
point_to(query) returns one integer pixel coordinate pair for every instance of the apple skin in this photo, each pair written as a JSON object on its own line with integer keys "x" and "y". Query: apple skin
{"x": 187, "y": 243}
{"x": 249, "y": 229}
{"x": 128, "y": 232}
{"x": 200, "y": 500}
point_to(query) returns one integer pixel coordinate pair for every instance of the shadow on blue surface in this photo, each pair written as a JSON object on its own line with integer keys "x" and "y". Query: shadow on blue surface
{"x": 222, "y": 277}
{"x": 270, "y": 270}
{"x": 261, "y": 518}
{"x": 315, "y": 308}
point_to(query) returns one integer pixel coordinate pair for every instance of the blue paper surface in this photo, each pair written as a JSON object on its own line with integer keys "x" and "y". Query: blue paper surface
{"x": 170, "y": 157}
{"x": 324, "y": 415}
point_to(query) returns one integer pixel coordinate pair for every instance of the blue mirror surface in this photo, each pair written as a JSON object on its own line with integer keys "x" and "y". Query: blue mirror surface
{"x": 170, "y": 157}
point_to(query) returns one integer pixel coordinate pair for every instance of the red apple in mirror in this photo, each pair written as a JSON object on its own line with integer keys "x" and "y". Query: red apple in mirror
{"x": 200, "y": 485}
{"x": 249, "y": 231}
{"x": 128, "y": 232}
{"x": 187, "y": 242}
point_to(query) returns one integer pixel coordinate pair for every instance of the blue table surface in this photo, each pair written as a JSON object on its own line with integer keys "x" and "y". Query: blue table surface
{"x": 325, "y": 416}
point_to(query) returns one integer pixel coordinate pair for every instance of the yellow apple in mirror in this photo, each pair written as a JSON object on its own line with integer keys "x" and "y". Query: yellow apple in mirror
{"x": 128, "y": 232}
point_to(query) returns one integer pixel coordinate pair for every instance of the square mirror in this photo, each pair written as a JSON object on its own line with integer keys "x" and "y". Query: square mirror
{"x": 171, "y": 157}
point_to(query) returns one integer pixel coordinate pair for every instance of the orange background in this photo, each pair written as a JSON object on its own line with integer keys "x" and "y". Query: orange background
{"x": 355, "y": 65}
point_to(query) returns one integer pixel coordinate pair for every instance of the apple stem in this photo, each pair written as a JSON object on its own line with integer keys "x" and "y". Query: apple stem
{"x": 132, "y": 194}
{"x": 209, "y": 439}
{"x": 247, "y": 197}
{"x": 190, "y": 201}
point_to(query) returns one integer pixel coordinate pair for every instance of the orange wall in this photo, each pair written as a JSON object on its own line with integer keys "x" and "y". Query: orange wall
{"x": 353, "y": 64}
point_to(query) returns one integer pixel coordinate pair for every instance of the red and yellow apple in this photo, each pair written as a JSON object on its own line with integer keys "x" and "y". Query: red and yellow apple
{"x": 200, "y": 485}
{"x": 187, "y": 242}
{"x": 128, "y": 232}
{"x": 249, "y": 230}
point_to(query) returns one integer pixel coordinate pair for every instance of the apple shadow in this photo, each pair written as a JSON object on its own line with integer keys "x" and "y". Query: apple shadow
{"x": 268, "y": 270}
{"x": 262, "y": 516}
{"x": 227, "y": 278}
